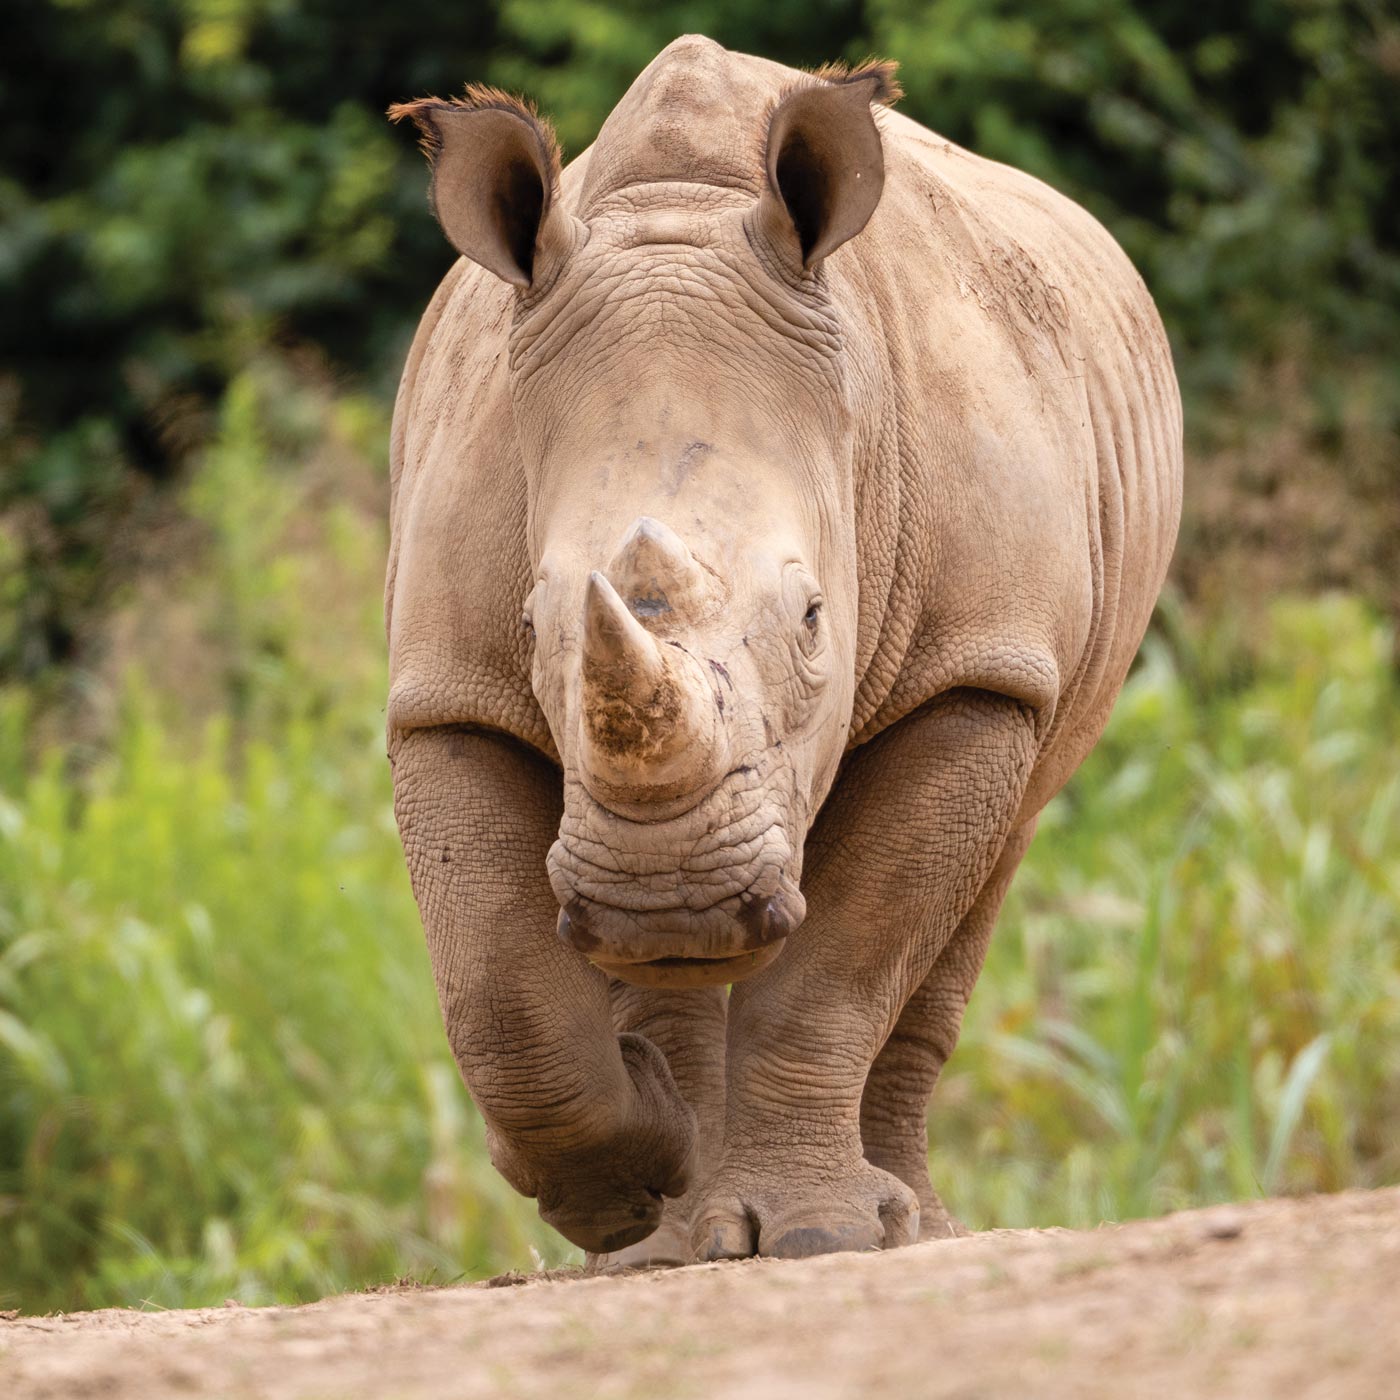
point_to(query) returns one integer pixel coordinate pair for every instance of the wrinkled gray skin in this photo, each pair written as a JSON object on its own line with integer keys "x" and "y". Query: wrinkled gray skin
{"x": 779, "y": 497}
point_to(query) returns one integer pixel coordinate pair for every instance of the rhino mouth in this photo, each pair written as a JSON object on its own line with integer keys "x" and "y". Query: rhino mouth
{"x": 692, "y": 972}
{"x": 682, "y": 947}
{"x": 699, "y": 899}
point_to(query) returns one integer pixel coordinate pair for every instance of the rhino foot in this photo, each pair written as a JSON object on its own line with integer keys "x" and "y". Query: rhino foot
{"x": 795, "y": 1218}
{"x": 936, "y": 1221}
{"x": 607, "y": 1191}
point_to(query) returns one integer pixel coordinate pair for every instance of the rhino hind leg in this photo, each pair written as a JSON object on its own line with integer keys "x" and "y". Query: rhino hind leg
{"x": 894, "y": 1105}
{"x": 688, "y": 1027}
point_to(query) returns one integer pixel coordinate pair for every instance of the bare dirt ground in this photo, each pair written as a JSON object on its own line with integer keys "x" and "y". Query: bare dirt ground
{"x": 1290, "y": 1298}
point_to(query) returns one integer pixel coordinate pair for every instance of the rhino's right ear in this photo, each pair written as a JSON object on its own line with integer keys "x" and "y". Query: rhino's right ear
{"x": 495, "y": 187}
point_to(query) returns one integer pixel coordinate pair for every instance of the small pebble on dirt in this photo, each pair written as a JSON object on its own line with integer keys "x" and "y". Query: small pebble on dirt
{"x": 1223, "y": 1225}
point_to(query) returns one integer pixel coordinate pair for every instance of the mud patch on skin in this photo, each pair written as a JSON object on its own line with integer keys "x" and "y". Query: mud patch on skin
{"x": 629, "y": 732}
{"x": 649, "y": 605}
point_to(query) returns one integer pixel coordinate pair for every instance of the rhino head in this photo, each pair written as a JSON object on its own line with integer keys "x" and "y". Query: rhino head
{"x": 688, "y": 408}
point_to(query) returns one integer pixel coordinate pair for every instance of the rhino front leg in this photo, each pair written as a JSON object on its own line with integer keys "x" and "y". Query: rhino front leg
{"x": 587, "y": 1121}
{"x": 903, "y": 847}
{"x": 688, "y": 1028}
{"x": 894, "y": 1106}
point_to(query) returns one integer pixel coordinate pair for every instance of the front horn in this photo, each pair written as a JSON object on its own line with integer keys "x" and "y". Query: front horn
{"x": 650, "y": 727}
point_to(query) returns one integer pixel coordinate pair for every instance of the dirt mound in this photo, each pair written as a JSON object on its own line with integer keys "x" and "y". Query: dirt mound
{"x": 1293, "y": 1297}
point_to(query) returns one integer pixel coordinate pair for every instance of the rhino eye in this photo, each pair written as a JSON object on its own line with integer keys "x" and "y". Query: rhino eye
{"x": 809, "y": 618}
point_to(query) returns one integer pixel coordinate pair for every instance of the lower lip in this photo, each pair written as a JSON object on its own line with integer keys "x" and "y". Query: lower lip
{"x": 691, "y": 972}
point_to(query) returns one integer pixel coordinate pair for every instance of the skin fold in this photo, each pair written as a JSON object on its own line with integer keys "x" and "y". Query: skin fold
{"x": 779, "y": 496}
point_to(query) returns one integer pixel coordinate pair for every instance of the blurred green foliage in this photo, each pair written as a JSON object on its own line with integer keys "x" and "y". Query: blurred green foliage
{"x": 183, "y": 182}
{"x": 1194, "y": 994}
{"x": 222, "y": 1069}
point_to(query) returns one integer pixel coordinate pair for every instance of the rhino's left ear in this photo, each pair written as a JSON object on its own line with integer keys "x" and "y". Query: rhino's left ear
{"x": 495, "y": 187}
{"x": 823, "y": 159}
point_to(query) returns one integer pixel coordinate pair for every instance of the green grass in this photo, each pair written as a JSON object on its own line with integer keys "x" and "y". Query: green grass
{"x": 1194, "y": 994}
{"x": 222, "y": 1068}
{"x": 222, "y": 1072}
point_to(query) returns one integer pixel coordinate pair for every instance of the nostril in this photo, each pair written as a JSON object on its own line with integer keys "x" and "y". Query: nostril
{"x": 573, "y": 931}
{"x": 771, "y": 919}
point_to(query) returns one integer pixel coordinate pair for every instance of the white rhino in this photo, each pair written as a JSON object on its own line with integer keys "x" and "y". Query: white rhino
{"x": 779, "y": 496}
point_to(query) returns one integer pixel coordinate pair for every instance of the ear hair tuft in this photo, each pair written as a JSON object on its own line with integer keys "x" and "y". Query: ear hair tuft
{"x": 480, "y": 98}
{"x": 882, "y": 71}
